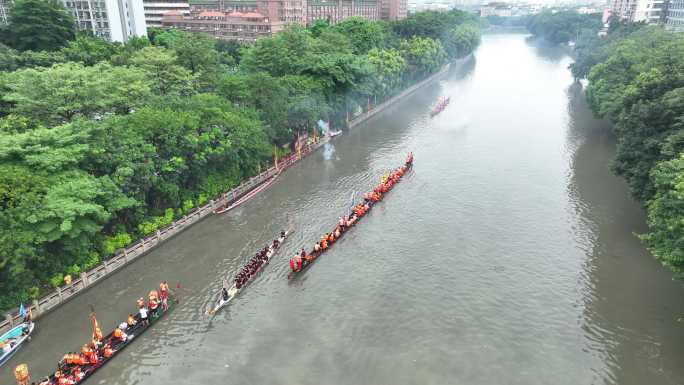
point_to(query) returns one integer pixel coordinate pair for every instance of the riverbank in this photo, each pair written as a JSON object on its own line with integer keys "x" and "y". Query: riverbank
{"x": 89, "y": 278}
{"x": 363, "y": 117}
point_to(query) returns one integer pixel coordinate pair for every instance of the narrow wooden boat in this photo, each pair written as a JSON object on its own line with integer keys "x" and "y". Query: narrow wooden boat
{"x": 314, "y": 255}
{"x": 248, "y": 196}
{"x": 133, "y": 333}
{"x": 13, "y": 339}
{"x": 440, "y": 107}
{"x": 234, "y": 291}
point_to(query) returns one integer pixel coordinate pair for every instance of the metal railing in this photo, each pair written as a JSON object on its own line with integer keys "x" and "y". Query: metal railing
{"x": 380, "y": 107}
{"x": 124, "y": 256}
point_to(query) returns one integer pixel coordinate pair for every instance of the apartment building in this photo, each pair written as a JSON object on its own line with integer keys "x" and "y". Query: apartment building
{"x": 244, "y": 27}
{"x": 334, "y": 11}
{"x": 393, "y": 9}
{"x": 4, "y": 9}
{"x": 155, "y": 10}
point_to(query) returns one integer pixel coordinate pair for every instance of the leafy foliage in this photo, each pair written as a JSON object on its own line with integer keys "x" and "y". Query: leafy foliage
{"x": 38, "y": 25}
{"x": 103, "y": 143}
{"x": 562, "y": 26}
{"x": 636, "y": 79}
{"x": 65, "y": 91}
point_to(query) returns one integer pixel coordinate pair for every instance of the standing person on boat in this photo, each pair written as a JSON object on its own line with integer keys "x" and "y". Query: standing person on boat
{"x": 143, "y": 316}
{"x": 164, "y": 295}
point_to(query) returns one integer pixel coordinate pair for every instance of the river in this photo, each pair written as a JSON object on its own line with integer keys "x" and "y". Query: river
{"x": 506, "y": 256}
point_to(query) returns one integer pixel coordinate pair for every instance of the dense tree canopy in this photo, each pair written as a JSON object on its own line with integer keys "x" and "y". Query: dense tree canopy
{"x": 562, "y": 26}
{"x": 636, "y": 79}
{"x": 103, "y": 143}
{"x": 38, "y": 25}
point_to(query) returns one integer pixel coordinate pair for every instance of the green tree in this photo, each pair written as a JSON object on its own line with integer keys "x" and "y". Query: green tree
{"x": 388, "y": 66}
{"x": 423, "y": 55}
{"x": 666, "y": 214}
{"x": 432, "y": 24}
{"x": 90, "y": 50}
{"x": 462, "y": 40}
{"x": 166, "y": 76}
{"x": 562, "y": 26}
{"x": 65, "y": 91}
{"x": 39, "y": 25}
{"x": 318, "y": 26}
{"x": 363, "y": 34}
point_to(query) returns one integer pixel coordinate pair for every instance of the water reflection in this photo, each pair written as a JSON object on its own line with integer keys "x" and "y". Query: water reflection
{"x": 505, "y": 256}
{"x": 630, "y": 301}
{"x": 551, "y": 53}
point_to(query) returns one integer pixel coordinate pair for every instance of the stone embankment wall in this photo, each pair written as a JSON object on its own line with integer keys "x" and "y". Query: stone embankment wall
{"x": 132, "y": 252}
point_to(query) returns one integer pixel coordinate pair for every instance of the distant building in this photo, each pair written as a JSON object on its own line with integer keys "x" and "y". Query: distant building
{"x": 155, "y": 10}
{"x": 431, "y": 5}
{"x": 114, "y": 20}
{"x": 588, "y": 10}
{"x": 649, "y": 11}
{"x": 243, "y": 27}
{"x": 393, "y": 9}
{"x": 623, "y": 9}
{"x": 4, "y": 10}
{"x": 674, "y": 14}
{"x": 334, "y": 11}
{"x": 496, "y": 9}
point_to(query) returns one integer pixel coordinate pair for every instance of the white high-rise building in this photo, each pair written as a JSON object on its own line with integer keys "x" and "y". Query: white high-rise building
{"x": 675, "y": 15}
{"x": 155, "y": 10}
{"x": 4, "y": 9}
{"x": 650, "y": 11}
{"x": 623, "y": 9}
{"x": 114, "y": 20}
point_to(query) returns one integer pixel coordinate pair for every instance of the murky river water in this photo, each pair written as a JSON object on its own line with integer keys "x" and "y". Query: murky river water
{"x": 507, "y": 256}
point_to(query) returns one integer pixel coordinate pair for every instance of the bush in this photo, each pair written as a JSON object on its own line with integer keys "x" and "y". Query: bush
{"x": 115, "y": 242}
{"x": 187, "y": 206}
{"x": 33, "y": 292}
{"x": 57, "y": 280}
{"x": 201, "y": 199}
{"x": 148, "y": 227}
{"x": 74, "y": 270}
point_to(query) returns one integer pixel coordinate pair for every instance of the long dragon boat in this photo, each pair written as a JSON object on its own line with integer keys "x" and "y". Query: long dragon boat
{"x": 78, "y": 372}
{"x": 248, "y": 195}
{"x": 224, "y": 298}
{"x": 299, "y": 263}
{"x": 443, "y": 103}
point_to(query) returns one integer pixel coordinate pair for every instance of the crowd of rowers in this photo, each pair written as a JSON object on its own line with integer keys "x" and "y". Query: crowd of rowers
{"x": 344, "y": 223}
{"x": 74, "y": 365}
{"x": 254, "y": 264}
